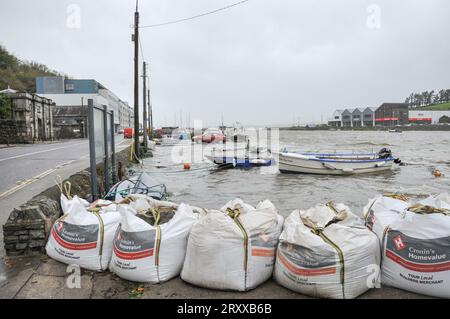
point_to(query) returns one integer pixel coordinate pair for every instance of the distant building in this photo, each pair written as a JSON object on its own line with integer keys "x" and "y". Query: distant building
{"x": 390, "y": 114}
{"x": 357, "y": 117}
{"x": 25, "y": 118}
{"x": 368, "y": 116}
{"x": 347, "y": 117}
{"x": 71, "y": 98}
{"x": 336, "y": 119}
{"x": 428, "y": 117}
{"x": 353, "y": 117}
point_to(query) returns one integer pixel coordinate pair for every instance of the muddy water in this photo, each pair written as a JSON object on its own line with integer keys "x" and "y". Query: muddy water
{"x": 206, "y": 186}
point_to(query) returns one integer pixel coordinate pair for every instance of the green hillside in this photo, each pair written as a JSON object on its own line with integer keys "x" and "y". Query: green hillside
{"x": 20, "y": 75}
{"x": 436, "y": 107}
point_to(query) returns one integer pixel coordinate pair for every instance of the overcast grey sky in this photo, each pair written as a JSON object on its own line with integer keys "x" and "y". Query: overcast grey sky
{"x": 262, "y": 62}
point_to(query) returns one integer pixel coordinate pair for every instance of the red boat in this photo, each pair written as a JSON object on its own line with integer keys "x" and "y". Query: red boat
{"x": 211, "y": 135}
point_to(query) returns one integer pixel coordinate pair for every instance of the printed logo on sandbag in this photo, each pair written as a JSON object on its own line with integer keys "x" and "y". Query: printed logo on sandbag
{"x": 263, "y": 245}
{"x": 303, "y": 261}
{"x": 134, "y": 245}
{"x": 421, "y": 255}
{"x": 75, "y": 237}
{"x": 399, "y": 243}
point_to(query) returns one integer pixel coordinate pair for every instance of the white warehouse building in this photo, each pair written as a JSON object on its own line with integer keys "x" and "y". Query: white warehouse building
{"x": 71, "y": 93}
{"x": 427, "y": 117}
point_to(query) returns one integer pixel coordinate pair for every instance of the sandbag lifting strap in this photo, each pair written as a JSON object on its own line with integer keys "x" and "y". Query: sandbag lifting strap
{"x": 102, "y": 233}
{"x": 234, "y": 214}
{"x": 425, "y": 209}
{"x": 63, "y": 187}
{"x": 340, "y": 215}
{"x": 156, "y": 216}
{"x": 398, "y": 196}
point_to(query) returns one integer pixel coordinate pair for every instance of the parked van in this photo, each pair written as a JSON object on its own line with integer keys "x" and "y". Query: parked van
{"x": 128, "y": 132}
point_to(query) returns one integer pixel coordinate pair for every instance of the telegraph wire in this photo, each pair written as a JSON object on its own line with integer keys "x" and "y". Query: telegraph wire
{"x": 193, "y": 17}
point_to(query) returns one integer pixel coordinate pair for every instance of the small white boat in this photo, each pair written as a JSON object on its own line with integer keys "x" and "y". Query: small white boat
{"x": 336, "y": 164}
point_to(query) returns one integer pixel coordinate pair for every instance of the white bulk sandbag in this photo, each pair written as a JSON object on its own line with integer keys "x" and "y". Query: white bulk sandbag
{"x": 151, "y": 253}
{"x": 66, "y": 199}
{"x": 383, "y": 210}
{"x": 83, "y": 237}
{"x": 416, "y": 249}
{"x": 66, "y": 203}
{"x": 327, "y": 252}
{"x": 233, "y": 248}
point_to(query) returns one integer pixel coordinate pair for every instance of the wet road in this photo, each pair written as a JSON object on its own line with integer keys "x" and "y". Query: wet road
{"x": 23, "y": 162}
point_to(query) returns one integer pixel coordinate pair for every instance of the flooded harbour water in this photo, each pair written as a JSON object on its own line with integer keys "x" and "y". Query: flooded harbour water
{"x": 206, "y": 186}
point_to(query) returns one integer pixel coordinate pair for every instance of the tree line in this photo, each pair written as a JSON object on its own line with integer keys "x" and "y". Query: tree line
{"x": 21, "y": 75}
{"x": 426, "y": 98}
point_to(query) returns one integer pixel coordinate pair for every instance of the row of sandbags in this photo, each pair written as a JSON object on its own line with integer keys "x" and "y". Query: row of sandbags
{"x": 146, "y": 240}
{"x": 140, "y": 239}
{"x": 325, "y": 251}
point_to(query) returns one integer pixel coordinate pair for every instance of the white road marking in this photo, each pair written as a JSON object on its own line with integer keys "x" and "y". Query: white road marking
{"x": 65, "y": 164}
{"x": 25, "y": 183}
{"x": 39, "y": 152}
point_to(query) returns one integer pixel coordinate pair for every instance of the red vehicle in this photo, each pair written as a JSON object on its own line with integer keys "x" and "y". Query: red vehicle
{"x": 211, "y": 135}
{"x": 128, "y": 132}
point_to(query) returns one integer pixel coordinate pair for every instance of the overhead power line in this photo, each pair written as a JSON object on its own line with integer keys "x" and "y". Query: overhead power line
{"x": 194, "y": 17}
{"x": 142, "y": 50}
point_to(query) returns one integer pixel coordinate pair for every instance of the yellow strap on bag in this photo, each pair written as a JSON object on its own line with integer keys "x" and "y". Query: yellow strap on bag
{"x": 158, "y": 245}
{"x": 156, "y": 216}
{"x": 102, "y": 232}
{"x": 319, "y": 232}
{"x": 234, "y": 214}
{"x": 425, "y": 209}
{"x": 402, "y": 197}
{"x": 63, "y": 187}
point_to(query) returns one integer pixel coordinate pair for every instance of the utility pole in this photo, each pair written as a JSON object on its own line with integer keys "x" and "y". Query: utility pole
{"x": 136, "y": 82}
{"x": 150, "y": 112}
{"x": 144, "y": 105}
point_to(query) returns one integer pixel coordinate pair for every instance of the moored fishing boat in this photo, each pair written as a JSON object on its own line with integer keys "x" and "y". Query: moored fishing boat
{"x": 335, "y": 163}
{"x": 241, "y": 158}
{"x": 242, "y": 162}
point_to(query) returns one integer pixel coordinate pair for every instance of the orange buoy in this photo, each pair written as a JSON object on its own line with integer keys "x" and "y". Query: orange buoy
{"x": 437, "y": 173}
{"x": 187, "y": 166}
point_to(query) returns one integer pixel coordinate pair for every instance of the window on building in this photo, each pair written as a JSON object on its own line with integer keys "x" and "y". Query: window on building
{"x": 336, "y": 117}
{"x": 70, "y": 87}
